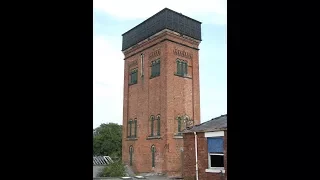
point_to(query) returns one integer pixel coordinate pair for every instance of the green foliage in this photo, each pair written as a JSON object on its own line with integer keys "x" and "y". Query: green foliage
{"x": 115, "y": 169}
{"x": 107, "y": 140}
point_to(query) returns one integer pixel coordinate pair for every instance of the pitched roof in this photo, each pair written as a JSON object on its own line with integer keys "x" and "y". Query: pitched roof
{"x": 215, "y": 124}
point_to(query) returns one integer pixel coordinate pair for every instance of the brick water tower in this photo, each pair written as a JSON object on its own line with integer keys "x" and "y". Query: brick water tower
{"x": 161, "y": 91}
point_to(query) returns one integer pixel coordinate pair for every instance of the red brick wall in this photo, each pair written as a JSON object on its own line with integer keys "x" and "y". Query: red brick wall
{"x": 189, "y": 168}
{"x": 167, "y": 95}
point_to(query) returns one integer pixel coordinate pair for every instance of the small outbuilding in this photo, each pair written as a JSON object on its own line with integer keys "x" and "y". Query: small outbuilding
{"x": 205, "y": 150}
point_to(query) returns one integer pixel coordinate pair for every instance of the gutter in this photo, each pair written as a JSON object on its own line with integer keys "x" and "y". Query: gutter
{"x": 196, "y": 150}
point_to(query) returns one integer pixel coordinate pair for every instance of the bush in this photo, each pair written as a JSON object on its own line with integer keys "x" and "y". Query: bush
{"x": 115, "y": 169}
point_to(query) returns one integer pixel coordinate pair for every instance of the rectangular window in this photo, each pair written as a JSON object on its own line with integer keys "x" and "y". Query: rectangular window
{"x": 185, "y": 70}
{"x": 215, "y": 152}
{"x": 134, "y": 76}
{"x": 142, "y": 63}
{"x": 182, "y": 68}
{"x": 215, "y": 144}
{"x": 216, "y": 160}
{"x": 179, "y": 71}
{"x": 155, "y": 68}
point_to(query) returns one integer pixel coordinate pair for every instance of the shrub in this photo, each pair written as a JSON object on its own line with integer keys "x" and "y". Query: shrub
{"x": 115, "y": 169}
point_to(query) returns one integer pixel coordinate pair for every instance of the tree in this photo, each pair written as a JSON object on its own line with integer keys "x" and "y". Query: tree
{"x": 107, "y": 140}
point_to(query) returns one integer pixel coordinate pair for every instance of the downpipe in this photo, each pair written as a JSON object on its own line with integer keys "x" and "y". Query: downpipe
{"x": 196, "y": 150}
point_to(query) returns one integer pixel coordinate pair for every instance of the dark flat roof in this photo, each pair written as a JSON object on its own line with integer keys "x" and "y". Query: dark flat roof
{"x": 164, "y": 19}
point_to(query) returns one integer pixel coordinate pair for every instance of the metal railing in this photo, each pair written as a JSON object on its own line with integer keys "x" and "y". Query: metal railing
{"x": 102, "y": 160}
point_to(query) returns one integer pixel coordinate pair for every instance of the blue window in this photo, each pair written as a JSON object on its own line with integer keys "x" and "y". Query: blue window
{"x": 215, "y": 144}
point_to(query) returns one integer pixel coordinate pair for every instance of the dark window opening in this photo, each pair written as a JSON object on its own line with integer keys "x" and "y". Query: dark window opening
{"x": 132, "y": 129}
{"x": 134, "y": 76}
{"x": 182, "y": 68}
{"x": 142, "y": 63}
{"x": 179, "y": 124}
{"x": 129, "y": 128}
{"x": 135, "y": 128}
{"x": 131, "y": 152}
{"x": 158, "y": 125}
{"x": 153, "y": 151}
{"x": 152, "y": 125}
{"x": 155, "y": 68}
{"x": 217, "y": 160}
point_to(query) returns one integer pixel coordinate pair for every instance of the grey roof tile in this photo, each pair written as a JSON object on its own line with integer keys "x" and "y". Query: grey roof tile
{"x": 215, "y": 124}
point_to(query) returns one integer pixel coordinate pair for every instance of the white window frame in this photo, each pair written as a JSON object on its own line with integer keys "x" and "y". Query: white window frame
{"x": 214, "y": 169}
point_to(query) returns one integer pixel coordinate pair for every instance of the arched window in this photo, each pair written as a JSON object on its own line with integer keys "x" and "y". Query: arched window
{"x": 129, "y": 128}
{"x": 152, "y": 125}
{"x": 183, "y": 123}
{"x": 135, "y": 128}
{"x": 153, "y": 154}
{"x": 132, "y": 128}
{"x": 179, "y": 123}
{"x": 188, "y": 122}
{"x": 130, "y": 154}
{"x": 158, "y": 125}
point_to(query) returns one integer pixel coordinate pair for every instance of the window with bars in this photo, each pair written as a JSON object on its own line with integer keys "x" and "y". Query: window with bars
{"x": 133, "y": 76}
{"x": 155, "y": 68}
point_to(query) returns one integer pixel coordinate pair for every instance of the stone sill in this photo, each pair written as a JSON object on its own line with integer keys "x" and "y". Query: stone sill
{"x": 183, "y": 76}
{"x": 178, "y": 136}
{"x": 151, "y": 77}
{"x": 130, "y": 84}
{"x": 132, "y": 139}
{"x": 214, "y": 170}
{"x": 153, "y": 137}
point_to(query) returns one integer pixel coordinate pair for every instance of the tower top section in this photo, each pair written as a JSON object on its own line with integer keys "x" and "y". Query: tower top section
{"x": 165, "y": 19}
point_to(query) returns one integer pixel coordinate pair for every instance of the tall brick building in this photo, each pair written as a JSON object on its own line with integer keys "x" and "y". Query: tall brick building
{"x": 161, "y": 91}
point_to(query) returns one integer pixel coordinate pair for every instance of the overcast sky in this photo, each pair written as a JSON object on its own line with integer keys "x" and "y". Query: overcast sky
{"x": 112, "y": 18}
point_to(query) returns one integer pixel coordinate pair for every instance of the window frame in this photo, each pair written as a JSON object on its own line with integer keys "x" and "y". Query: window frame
{"x": 129, "y": 128}
{"x": 155, "y": 68}
{"x": 134, "y": 76}
{"x": 217, "y": 134}
{"x": 209, "y": 160}
{"x": 181, "y": 68}
{"x": 135, "y": 122}
{"x": 179, "y": 119}
{"x": 153, "y": 156}
{"x": 158, "y": 117}
{"x": 152, "y": 125}
{"x": 131, "y": 155}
